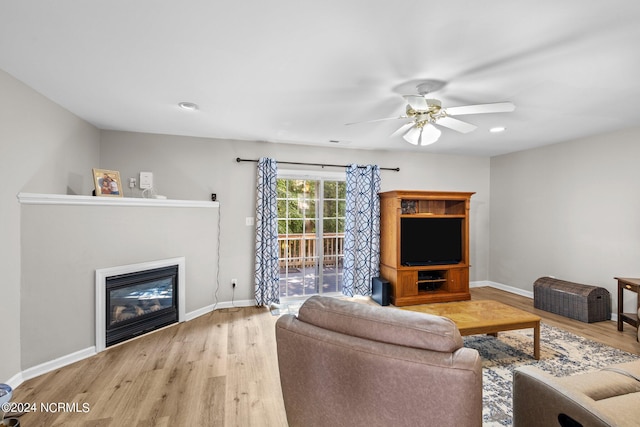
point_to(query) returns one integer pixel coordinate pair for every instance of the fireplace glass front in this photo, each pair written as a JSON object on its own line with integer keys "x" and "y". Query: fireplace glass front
{"x": 140, "y": 302}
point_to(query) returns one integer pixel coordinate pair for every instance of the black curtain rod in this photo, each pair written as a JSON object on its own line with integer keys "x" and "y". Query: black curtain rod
{"x": 238, "y": 159}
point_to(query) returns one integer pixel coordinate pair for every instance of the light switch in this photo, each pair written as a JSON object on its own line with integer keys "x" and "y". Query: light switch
{"x": 146, "y": 179}
{"x": 249, "y": 220}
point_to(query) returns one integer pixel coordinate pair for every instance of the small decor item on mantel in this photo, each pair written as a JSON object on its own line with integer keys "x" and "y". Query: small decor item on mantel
{"x": 107, "y": 183}
{"x": 408, "y": 206}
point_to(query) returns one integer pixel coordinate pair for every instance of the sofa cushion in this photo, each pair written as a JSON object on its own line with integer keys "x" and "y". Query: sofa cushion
{"x": 606, "y": 397}
{"x": 389, "y": 325}
{"x": 610, "y": 382}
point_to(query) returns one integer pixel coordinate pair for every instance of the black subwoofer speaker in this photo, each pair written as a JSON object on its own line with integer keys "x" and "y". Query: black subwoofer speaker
{"x": 380, "y": 290}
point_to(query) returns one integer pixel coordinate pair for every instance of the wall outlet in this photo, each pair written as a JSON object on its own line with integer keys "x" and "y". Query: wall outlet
{"x": 132, "y": 182}
{"x": 234, "y": 282}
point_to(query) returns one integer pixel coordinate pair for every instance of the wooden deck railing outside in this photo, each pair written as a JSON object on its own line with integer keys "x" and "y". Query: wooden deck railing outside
{"x": 299, "y": 250}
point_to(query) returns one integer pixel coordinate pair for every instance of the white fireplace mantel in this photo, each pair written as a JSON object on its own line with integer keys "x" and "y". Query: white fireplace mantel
{"x": 62, "y": 199}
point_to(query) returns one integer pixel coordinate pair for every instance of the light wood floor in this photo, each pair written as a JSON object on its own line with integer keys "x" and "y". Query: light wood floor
{"x": 217, "y": 370}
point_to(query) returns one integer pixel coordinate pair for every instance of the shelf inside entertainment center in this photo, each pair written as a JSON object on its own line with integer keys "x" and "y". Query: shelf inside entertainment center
{"x": 439, "y": 278}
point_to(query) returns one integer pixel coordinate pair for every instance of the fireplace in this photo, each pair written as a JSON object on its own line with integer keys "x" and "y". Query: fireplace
{"x": 135, "y": 299}
{"x": 140, "y": 302}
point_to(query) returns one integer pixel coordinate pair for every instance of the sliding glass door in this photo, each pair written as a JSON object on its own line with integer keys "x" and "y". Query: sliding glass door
{"x": 310, "y": 235}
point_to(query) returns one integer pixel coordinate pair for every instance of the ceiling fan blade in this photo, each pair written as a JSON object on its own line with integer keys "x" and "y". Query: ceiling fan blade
{"x": 417, "y": 102}
{"x": 497, "y": 107}
{"x": 457, "y": 125}
{"x": 377, "y": 120}
{"x": 403, "y": 129}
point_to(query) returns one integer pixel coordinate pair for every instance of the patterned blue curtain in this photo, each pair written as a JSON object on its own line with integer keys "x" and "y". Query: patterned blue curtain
{"x": 362, "y": 230}
{"x": 267, "y": 269}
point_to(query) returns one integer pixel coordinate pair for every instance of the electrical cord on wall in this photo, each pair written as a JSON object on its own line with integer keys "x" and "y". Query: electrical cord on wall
{"x": 217, "y": 287}
{"x": 217, "y": 284}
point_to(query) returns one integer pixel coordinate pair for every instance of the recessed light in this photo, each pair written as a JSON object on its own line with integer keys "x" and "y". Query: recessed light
{"x": 497, "y": 129}
{"x": 188, "y": 106}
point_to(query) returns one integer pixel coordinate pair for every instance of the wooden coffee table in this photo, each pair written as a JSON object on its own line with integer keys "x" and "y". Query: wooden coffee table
{"x": 485, "y": 317}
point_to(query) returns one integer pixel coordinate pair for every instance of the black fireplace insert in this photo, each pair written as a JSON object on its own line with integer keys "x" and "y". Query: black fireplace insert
{"x": 140, "y": 302}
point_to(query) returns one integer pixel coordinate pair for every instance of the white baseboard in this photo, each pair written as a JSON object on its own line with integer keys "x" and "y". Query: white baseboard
{"x": 15, "y": 380}
{"x": 199, "y": 312}
{"x": 227, "y": 304}
{"x": 58, "y": 363}
{"x": 507, "y": 288}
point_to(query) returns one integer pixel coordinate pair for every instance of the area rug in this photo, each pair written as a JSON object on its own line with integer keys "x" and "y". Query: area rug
{"x": 562, "y": 353}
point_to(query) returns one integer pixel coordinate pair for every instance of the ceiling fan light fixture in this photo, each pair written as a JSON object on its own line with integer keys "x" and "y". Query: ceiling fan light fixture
{"x": 430, "y": 134}
{"x": 413, "y": 135}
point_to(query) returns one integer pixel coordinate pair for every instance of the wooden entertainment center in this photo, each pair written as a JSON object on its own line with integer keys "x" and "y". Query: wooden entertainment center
{"x": 428, "y": 282}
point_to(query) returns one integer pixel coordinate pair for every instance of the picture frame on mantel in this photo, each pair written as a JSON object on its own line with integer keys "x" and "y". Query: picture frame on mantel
{"x": 107, "y": 183}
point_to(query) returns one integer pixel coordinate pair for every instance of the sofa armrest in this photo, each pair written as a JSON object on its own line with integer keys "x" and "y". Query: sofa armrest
{"x": 540, "y": 400}
{"x": 383, "y": 324}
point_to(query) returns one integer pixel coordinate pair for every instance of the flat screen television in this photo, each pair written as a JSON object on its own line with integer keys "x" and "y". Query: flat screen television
{"x": 430, "y": 241}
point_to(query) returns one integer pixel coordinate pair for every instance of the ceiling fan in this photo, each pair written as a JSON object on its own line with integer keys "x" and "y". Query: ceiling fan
{"x": 425, "y": 113}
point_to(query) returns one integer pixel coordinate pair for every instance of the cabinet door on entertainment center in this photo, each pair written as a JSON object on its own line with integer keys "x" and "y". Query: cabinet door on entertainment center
{"x": 407, "y": 284}
{"x": 458, "y": 279}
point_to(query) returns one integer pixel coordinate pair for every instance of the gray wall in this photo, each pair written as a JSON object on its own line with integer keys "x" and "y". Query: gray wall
{"x": 64, "y": 245}
{"x": 43, "y": 148}
{"x": 193, "y": 168}
{"x": 568, "y": 210}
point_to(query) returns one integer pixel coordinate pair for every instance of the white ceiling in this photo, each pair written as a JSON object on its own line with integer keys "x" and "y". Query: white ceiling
{"x": 295, "y": 71}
